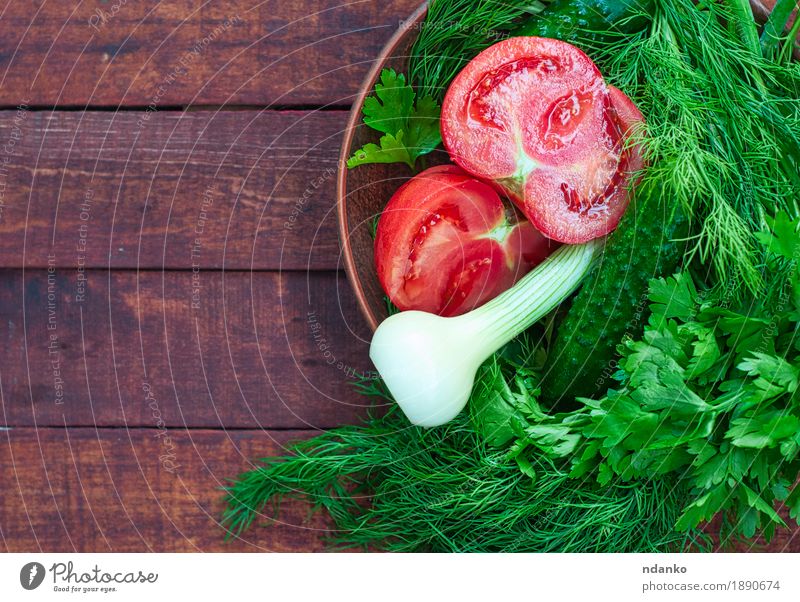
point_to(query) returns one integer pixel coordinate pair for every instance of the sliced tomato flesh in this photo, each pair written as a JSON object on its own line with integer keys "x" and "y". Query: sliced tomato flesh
{"x": 574, "y": 206}
{"x": 522, "y": 103}
{"x": 629, "y": 118}
{"x": 446, "y": 243}
{"x": 535, "y": 116}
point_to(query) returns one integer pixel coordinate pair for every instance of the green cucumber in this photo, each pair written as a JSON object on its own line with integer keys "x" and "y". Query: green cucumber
{"x": 588, "y": 20}
{"x": 649, "y": 242}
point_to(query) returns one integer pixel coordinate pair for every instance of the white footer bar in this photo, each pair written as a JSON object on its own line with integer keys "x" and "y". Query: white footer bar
{"x": 407, "y": 577}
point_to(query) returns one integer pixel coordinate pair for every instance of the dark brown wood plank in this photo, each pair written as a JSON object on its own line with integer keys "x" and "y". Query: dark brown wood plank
{"x": 128, "y": 490}
{"x": 204, "y": 190}
{"x": 212, "y": 349}
{"x": 190, "y": 52}
{"x": 118, "y": 490}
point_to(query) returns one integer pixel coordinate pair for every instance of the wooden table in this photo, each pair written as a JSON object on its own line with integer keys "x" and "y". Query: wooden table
{"x": 172, "y": 301}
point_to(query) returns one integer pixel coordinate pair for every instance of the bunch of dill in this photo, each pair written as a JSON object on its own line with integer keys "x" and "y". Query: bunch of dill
{"x": 723, "y": 128}
{"x": 388, "y": 485}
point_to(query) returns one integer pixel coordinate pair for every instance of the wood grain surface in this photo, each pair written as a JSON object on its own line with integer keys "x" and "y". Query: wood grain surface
{"x": 191, "y": 52}
{"x": 127, "y": 490}
{"x": 232, "y": 350}
{"x": 208, "y": 189}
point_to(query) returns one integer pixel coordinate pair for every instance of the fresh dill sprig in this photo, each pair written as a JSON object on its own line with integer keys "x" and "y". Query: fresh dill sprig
{"x": 392, "y": 486}
{"x": 723, "y": 129}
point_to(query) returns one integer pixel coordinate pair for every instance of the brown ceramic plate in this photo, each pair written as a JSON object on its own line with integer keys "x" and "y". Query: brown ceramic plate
{"x": 364, "y": 192}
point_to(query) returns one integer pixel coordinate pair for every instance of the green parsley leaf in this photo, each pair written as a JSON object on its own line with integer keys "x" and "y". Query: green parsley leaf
{"x": 674, "y": 297}
{"x": 393, "y": 102}
{"x": 762, "y": 430}
{"x": 409, "y": 131}
{"x": 710, "y": 393}
{"x": 493, "y": 407}
{"x": 793, "y": 503}
{"x": 391, "y": 150}
{"x": 783, "y": 237}
{"x": 758, "y": 503}
{"x": 772, "y": 372}
{"x": 423, "y": 127}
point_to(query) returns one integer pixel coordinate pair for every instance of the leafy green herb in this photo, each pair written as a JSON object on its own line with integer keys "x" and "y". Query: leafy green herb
{"x": 506, "y": 389}
{"x": 409, "y": 130}
{"x": 723, "y": 128}
{"x": 710, "y": 392}
{"x": 390, "y": 486}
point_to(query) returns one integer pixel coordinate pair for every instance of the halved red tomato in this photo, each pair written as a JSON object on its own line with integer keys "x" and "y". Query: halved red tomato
{"x": 627, "y": 113}
{"x": 535, "y": 116}
{"x": 446, "y": 243}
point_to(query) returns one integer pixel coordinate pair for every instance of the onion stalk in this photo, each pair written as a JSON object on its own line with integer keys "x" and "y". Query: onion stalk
{"x": 429, "y": 362}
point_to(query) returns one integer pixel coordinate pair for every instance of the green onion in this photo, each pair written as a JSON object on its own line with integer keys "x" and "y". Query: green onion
{"x": 429, "y": 362}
